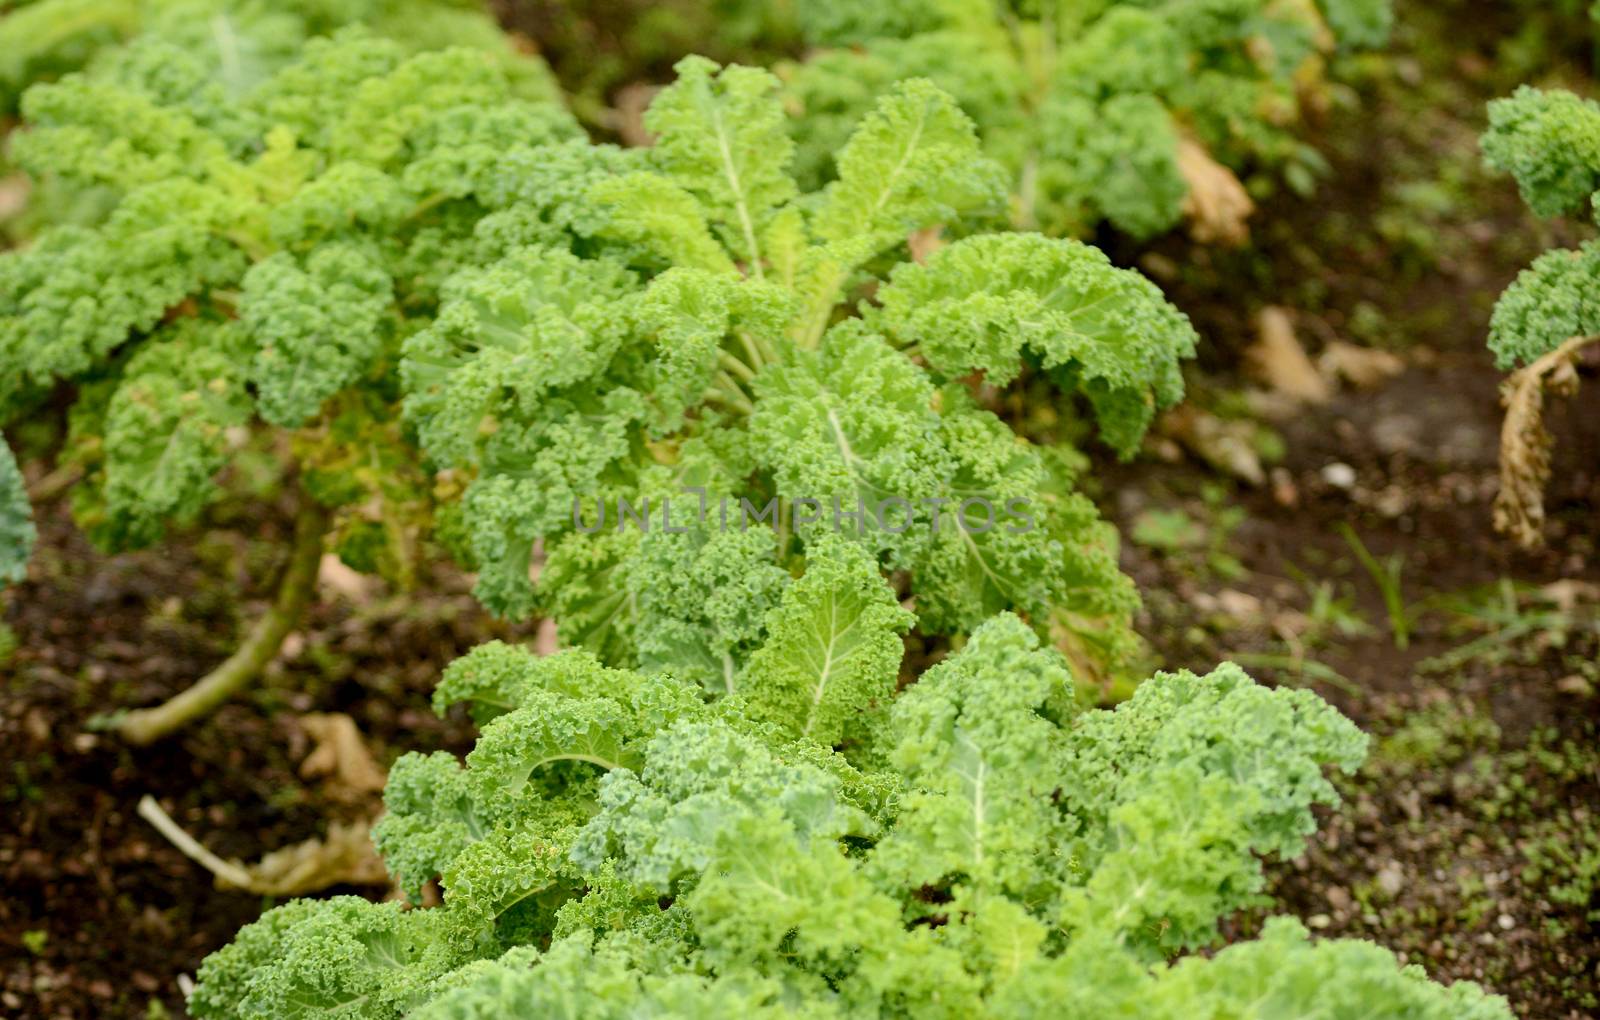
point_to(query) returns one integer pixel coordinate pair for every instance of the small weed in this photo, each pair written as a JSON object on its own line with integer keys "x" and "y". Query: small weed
{"x": 1196, "y": 545}
{"x": 1564, "y": 858}
{"x": 1386, "y": 575}
{"x": 1438, "y": 735}
{"x": 1329, "y": 614}
{"x": 1518, "y": 623}
{"x": 1299, "y": 666}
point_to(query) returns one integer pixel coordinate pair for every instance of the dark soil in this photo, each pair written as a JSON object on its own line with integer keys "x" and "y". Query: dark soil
{"x": 102, "y": 915}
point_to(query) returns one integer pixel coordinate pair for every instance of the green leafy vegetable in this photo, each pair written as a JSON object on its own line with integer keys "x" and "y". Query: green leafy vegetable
{"x": 616, "y": 845}
{"x": 266, "y": 215}
{"x": 1550, "y": 142}
{"x": 685, "y": 353}
{"x": 1087, "y": 106}
{"x": 16, "y": 520}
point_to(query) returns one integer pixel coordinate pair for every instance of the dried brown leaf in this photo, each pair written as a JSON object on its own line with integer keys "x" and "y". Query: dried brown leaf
{"x": 1361, "y": 367}
{"x": 341, "y": 755}
{"x": 923, "y": 243}
{"x": 336, "y": 576}
{"x": 1218, "y": 206}
{"x": 1525, "y": 442}
{"x": 632, "y": 100}
{"x": 1567, "y": 593}
{"x": 1278, "y": 360}
{"x": 14, "y": 190}
{"x": 547, "y": 640}
{"x": 345, "y": 856}
{"x": 1225, "y": 445}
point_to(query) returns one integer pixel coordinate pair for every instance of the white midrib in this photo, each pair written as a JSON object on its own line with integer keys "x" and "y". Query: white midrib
{"x": 977, "y": 811}
{"x": 983, "y": 564}
{"x": 905, "y": 161}
{"x": 227, "y": 47}
{"x": 732, "y": 174}
{"x": 826, "y": 672}
{"x": 841, "y": 440}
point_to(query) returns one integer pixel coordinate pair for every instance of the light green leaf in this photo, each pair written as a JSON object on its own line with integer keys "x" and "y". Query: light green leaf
{"x": 721, "y": 135}
{"x": 833, "y": 647}
{"x": 17, "y": 532}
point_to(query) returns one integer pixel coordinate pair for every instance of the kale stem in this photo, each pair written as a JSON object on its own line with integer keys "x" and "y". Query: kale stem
{"x": 147, "y": 725}
{"x": 729, "y": 393}
{"x": 757, "y": 351}
{"x": 737, "y": 367}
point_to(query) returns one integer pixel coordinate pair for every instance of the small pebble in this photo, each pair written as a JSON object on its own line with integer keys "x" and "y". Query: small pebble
{"x": 1390, "y": 879}
{"x": 1507, "y": 922}
{"x": 1339, "y": 475}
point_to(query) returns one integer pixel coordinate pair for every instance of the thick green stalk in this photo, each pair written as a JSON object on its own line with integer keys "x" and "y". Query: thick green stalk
{"x": 147, "y": 725}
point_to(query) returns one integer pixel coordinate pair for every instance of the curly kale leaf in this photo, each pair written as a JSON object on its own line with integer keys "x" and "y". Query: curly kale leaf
{"x": 571, "y": 709}
{"x": 1181, "y": 787}
{"x": 515, "y": 378}
{"x": 78, "y": 294}
{"x": 552, "y": 183}
{"x": 430, "y": 817}
{"x": 1128, "y": 50}
{"x": 17, "y": 532}
{"x": 586, "y": 586}
{"x": 48, "y": 37}
{"x": 686, "y": 315}
{"x": 98, "y": 132}
{"x": 722, "y": 137}
{"x": 318, "y": 323}
{"x": 851, "y": 426}
{"x": 912, "y": 162}
{"x": 833, "y": 648}
{"x": 982, "y": 303}
{"x": 1550, "y": 142}
{"x": 508, "y": 338}
{"x": 858, "y": 21}
{"x": 1019, "y": 855}
{"x": 574, "y": 978}
{"x": 1116, "y": 159}
{"x": 698, "y": 783}
{"x": 832, "y": 88}
{"x": 976, "y": 753}
{"x": 548, "y": 724}
{"x": 534, "y": 476}
{"x": 460, "y": 150}
{"x": 703, "y": 599}
{"x": 1008, "y": 540}
{"x": 339, "y": 955}
{"x": 167, "y": 429}
{"x": 1359, "y": 24}
{"x": 1283, "y": 973}
{"x": 1552, "y": 301}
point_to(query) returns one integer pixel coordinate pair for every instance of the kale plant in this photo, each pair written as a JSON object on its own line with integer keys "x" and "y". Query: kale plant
{"x": 16, "y": 520}
{"x": 684, "y": 319}
{"x": 810, "y": 843}
{"x": 1128, "y": 112}
{"x": 1550, "y": 142}
{"x": 246, "y": 261}
{"x": 242, "y": 42}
